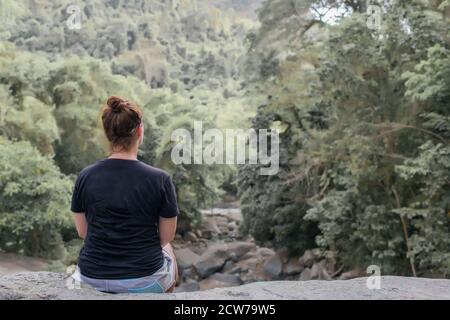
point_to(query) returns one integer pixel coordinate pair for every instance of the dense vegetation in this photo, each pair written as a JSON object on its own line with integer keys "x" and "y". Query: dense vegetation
{"x": 175, "y": 59}
{"x": 363, "y": 115}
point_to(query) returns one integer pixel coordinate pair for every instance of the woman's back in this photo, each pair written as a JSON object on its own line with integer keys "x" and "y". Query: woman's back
{"x": 126, "y": 212}
{"x": 122, "y": 200}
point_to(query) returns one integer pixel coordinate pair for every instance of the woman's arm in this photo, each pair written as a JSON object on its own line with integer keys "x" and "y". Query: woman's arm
{"x": 167, "y": 229}
{"x": 80, "y": 224}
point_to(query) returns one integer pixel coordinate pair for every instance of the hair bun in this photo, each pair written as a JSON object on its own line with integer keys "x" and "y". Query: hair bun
{"x": 117, "y": 104}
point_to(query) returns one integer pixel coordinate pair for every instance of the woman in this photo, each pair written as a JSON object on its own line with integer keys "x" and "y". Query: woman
{"x": 126, "y": 212}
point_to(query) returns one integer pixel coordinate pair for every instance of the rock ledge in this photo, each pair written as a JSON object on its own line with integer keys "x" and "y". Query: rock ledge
{"x": 54, "y": 286}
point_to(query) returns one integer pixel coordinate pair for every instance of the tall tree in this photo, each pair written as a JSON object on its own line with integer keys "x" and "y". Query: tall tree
{"x": 353, "y": 134}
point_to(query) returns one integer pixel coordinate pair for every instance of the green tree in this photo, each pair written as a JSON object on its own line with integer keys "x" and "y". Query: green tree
{"x": 353, "y": 132}
{"x": 34, "y": 201}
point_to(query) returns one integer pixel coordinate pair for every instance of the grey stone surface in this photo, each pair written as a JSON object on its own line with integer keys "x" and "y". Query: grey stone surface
{"x": 53, "y": 286}
{"x": 188, "y": 287}
{"x": 306, "y": 275}
{"x": 238, "y": 249}
{"x": 273, "y": 267}
{"x": 186, "y": 257}
{"x": 232, "y": 279}
{"x": 212, "y": 260}
{"x": 294, "y": 266}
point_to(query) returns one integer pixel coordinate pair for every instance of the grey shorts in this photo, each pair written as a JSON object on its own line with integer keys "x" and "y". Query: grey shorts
{"x": 159, "y": 282}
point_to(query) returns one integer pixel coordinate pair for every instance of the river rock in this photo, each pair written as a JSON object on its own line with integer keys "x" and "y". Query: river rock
{"x": 316, "y": 271}
{"x": 235, "y": 270}
{"x": 188, "y": 287}
{"x": 228, "y": 266}
{"x": 248, "y": 264}
{"x": 219, "y": 280}
{"x": 326, "y": 275}
{"x": 238, "y": 249}
{"x": 293, "y": 266}
{"x": 273, "y": 267}
{"x": 190, "y": 236}
{"x": 183, "y": 226}
{"x": 212, "y": 260}
{"x": 235, "y": 215}
{"x": 232, "y": 225}
{"x": 351, "y": 274}
{"x": 265, "y": 253}
{"x": 308, "y": 258}
{"x": 221, "y": 221}
{"x": 186, "y": 257}
{"x": 305, "y": 275}
{"x": 249, "y": 254}
{"x": 178, "y": 237}
{"x": 209, "y": 228}
{"x": 189, "y": 274}
{"x": 227, "y": 278}
{"x": 284, "y": 255}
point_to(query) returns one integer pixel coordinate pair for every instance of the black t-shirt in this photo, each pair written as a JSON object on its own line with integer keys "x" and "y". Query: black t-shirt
{"x": 122, "y": 201}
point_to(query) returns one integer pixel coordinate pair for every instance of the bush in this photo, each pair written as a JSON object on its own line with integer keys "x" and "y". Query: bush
{"x": 34, "y": 201}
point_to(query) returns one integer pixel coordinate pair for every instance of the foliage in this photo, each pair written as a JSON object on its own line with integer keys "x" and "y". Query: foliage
{"x": 33, "y": 201}
{"x": 364, "y": 152}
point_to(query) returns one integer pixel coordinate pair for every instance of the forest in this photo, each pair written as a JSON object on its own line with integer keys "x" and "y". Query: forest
{"x": 358, "y": 90}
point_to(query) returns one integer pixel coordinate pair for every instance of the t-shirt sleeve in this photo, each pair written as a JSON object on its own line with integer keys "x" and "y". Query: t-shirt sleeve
{"x": 77, "y": 201}
{"x": 169, "y": 206}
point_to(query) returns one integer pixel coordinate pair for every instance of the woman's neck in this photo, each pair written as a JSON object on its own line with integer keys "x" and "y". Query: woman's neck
{"x": 125, "y": 155}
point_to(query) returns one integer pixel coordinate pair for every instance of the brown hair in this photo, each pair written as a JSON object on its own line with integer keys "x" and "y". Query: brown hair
{"x": 121, "y": 118}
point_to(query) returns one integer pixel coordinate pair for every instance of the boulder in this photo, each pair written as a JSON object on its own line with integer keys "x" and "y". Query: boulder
{"x": 248, "y": 264}
{"x": 190, "y": 236}
{"x": 249, "y": 254}
{"x": 235, "y": 270}
{"x": 232, "y": 225}
{"x": 305, "y": 275}
{"x": 189, "y": 274}
{"x": 235, "y": 215}
{"x": 209, "y": 228}
{"x": 220, "y": 280}
{"x": 308, "y": 258}
{"x": 183, "y": 225}
{"x": 238, "y": 249}
{"x": 55, "y": 286}
{"x": 351, "y": 274}
{"x": 265, "y": 253}
{"x": 212, "y": 260}
{"x": 284, "y": 255}
{"x": 188, "y": 287}
{"x": 228, "y": 266}
{"x": 325, "y": 275}
{"x": 293, "y": 266}
{"x": 227, "y": 278}
{"x": 273, "y": 267}
{"x": 186, "y": 257}
{"x": 316, "y": 271}
{"x": 323, "y": 272}
{"x": 221, "y": 221}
